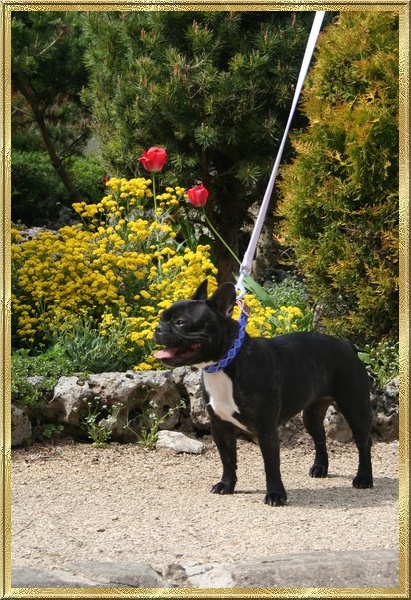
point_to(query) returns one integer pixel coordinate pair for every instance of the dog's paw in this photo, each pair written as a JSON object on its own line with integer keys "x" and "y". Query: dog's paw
{"x": 275, "y": 498}
{"x": 318, "y": 471}
{"x": 222, "y": 488}
{"x": 362, "y": 482}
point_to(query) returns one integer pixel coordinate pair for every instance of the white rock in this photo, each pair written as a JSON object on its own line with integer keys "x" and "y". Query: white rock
{"x": 191, "y": 381}
{"x": 177, "y": 442}
{"x": 69, "y": 395}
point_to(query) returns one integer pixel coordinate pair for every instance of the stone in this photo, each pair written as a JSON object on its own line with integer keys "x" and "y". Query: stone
{"x": 33, "y": 232}
{"x": 385, "y": 417}
{"x": 291, "y": 431}
{"x": 86, "y": 575}
{"x": 351, "y": 569}
{"x": 386, "y": 426}
{"x": 206, "y": 575}
{"x": 127, "y": 395}
{"x": 177, "y": 442}
{"x": 21, "y": 429}
{"x": 391, "y": 390}
{"x": 123, "y": 574}
{"x": 189, "y": 380}
{"x": 336, "y": 427}
{"x": 385, "y": 411}
{"x": 357, "y": 569}
{"x": 36, "y": 380}
{"x": 30, "y": 577}
{"x": 69, "y": 395}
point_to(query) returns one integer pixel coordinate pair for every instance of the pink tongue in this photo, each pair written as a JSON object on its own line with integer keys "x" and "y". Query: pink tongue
{"x": 166, "y": 353}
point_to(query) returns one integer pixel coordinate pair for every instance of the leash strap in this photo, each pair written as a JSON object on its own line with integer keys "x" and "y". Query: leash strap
{"x": 245, "y": 267}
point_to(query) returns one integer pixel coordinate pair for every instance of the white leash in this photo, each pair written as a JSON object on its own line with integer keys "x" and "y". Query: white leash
{"x": 245, "y": 267}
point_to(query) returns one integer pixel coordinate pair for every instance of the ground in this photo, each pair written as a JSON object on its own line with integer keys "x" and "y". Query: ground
{"x": 72, "y": 502}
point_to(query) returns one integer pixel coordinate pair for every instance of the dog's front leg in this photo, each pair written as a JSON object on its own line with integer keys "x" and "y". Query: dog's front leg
{"x": 225, "y": 438}
{"x": 270, "y": 449}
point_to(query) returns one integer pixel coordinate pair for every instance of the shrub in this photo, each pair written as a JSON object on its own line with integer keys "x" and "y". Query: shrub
{"x": 289, "y": 290}
{"x": 34, "y": 395}
{"x": 382, "y": 359}
{"x": 93, "y": 346}
{"x": 36, "y": 190}
{"x": 340, "y": 195}
{"x": 87, "y": 173}
{"x": 48, "y": 366}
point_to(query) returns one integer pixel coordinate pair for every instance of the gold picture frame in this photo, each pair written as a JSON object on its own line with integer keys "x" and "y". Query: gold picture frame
{"x": 6, "y": 10}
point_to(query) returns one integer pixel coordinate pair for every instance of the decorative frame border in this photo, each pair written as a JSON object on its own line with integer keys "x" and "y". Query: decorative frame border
{"x": 6, "y": 9}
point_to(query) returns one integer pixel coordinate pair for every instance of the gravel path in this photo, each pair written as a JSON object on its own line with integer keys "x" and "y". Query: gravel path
{"x": 72, "y": 502}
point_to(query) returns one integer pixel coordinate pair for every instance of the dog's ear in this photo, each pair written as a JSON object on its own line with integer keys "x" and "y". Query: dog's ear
{"x": 224, "y": 299}
{"x": 201, "y": 292}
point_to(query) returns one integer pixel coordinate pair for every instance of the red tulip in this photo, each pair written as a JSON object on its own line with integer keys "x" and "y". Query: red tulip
{"x": 198, "y": 195}
{"x": 154, "y": 159}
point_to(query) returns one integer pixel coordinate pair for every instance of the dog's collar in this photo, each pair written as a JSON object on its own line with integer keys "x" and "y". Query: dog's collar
{"x": 236, "y": 345}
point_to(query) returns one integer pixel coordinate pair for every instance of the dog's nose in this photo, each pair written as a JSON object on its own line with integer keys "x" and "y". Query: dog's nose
{"x": 158, "y": 331}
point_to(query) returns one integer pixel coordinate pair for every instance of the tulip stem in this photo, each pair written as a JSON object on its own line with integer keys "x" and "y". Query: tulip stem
{"x": 219, "y": 237}
{"x": 153, "y": 179}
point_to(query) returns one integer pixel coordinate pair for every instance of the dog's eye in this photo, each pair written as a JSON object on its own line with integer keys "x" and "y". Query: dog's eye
{"x": 179, "y": 322}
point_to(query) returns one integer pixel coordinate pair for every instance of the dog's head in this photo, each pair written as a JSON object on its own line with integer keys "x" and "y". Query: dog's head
{"x": 199, "y": 330}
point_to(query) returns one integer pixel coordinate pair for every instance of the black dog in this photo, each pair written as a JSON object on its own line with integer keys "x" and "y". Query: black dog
{"x": 264, "y": 382}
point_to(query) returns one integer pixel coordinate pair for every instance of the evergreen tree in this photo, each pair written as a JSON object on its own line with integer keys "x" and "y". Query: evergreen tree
{"x": 340, "y": 195}
{"x": 213, "y": 88}
{"x": 47, "y": 77}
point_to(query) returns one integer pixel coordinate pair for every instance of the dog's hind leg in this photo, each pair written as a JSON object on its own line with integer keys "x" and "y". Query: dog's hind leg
{"x": 313, "y": 419}
{"x": 359, "y": 421}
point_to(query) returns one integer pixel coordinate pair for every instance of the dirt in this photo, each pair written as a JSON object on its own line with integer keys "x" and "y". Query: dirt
{"x": 75, "y": 503}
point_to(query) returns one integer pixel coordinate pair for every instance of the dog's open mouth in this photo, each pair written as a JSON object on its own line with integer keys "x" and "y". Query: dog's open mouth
{"x": 175, "y": 353}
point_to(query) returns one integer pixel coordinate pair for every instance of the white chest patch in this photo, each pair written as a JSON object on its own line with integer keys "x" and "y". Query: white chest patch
{"x": 220, "y": 390}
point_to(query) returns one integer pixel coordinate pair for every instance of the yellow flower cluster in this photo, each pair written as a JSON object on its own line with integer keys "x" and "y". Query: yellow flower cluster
{"x": 265, "y": 321}
{"x": 286, "y": 319}
{"x": 127, "y": 198}
{"x": 258, "y": 324}
{"x": 121, "y": 261}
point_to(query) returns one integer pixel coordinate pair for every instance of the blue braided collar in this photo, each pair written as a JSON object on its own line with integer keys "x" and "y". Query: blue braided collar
{"x": 233, "y": 351}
